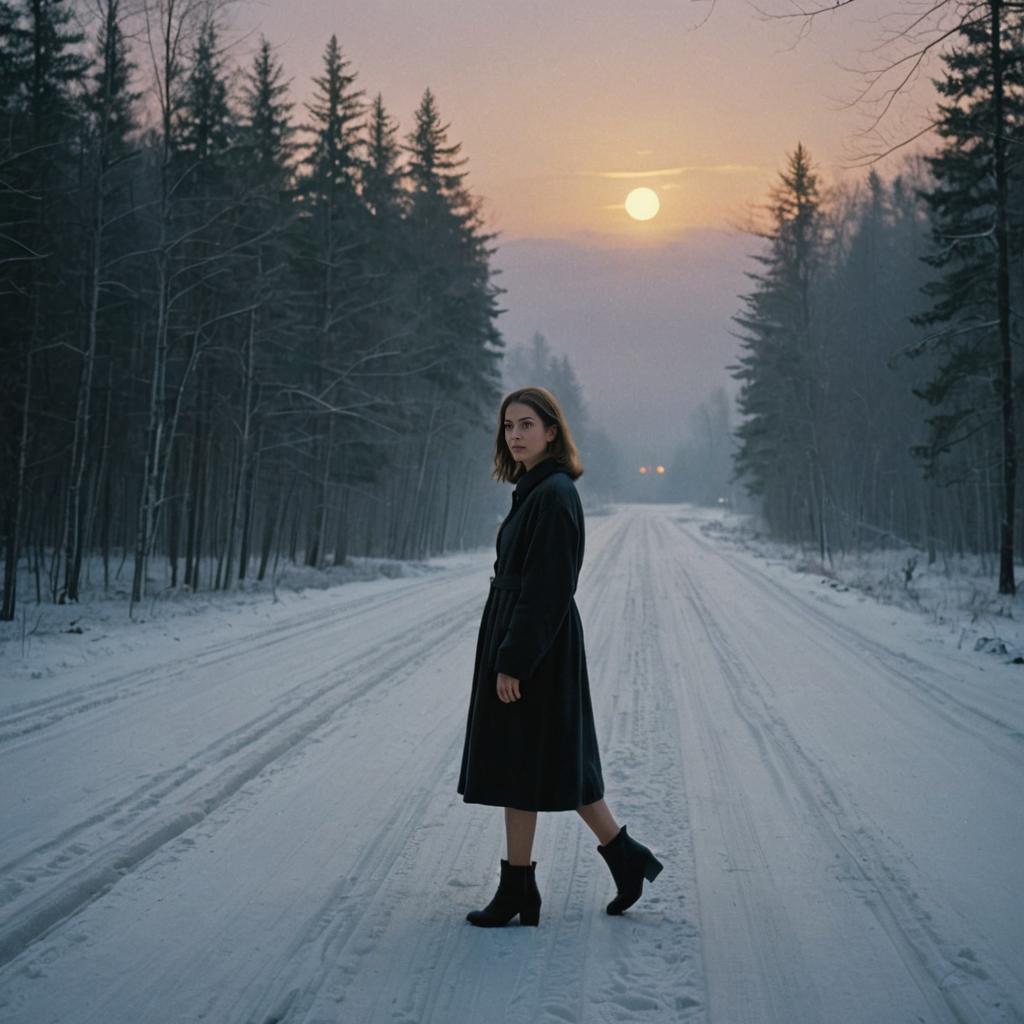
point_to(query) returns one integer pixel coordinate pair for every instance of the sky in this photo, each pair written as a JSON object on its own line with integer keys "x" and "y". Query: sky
{"x": 562, "y": 108}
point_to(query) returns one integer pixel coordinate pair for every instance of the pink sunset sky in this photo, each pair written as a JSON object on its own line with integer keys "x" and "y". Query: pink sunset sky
{"x": 563, "y": 107}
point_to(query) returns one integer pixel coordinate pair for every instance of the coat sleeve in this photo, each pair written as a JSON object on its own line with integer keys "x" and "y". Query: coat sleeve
{"x": 548, "y": 583}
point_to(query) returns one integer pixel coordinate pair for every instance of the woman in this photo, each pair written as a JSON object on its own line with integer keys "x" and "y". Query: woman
{"x": 530, "y": 741}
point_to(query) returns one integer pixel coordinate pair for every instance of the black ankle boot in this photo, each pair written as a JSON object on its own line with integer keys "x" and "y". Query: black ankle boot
{"x": 630, "y": 863}
{"x": 517, "y": 894}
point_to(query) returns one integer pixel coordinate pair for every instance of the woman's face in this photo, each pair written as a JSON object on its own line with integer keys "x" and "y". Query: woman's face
{"x": 526, "y": 435}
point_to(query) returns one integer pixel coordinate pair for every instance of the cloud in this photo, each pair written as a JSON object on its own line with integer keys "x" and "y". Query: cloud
{"x": 666, "y": 172}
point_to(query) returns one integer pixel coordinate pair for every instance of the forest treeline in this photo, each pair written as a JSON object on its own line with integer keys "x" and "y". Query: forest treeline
{"x": 232, "y": 331}
{"x": 235, "y": 332}
{"x": 880, "y": 384}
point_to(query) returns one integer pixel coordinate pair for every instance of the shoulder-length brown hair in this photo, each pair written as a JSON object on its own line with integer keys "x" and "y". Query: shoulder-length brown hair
{"x": 563, "y": 448}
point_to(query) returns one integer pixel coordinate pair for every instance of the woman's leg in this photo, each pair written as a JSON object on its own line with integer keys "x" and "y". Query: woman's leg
{"x": 600, "y": 820}
{"x": 519, "y": 829}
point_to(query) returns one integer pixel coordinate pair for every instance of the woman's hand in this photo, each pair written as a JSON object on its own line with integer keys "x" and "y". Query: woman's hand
{"x": 508, "y": 688}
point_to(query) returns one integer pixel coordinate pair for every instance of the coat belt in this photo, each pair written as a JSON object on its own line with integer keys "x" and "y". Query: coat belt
{"x": 506, "y": 582}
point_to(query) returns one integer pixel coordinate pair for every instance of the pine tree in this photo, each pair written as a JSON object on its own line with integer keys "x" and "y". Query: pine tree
{"x": 865, "y": 295}
{"x": 438, "y": 188}
{"x": 333, "y": 161}
{"x": 110, "y": 100}
{"x": 14, "y": 252}
{"x": 205, "y": 129}
{"x": 266, "y": 148}
{"x": 14, "y": 58}
{"x": 109, "y": 149}
{"x": 329, "y": 256}
{"x": 782, "y": 369}
{"x": 382, "y": 175}
{"x": 978, "y": 236}
{"x": 196, "y": 258}
{"x": 39, "y": 223}
{"x": 389, "y": 266}
{"x": 456, "y": 299}
{"x": 265, "y": 153}
{"x": 455, "y": 342}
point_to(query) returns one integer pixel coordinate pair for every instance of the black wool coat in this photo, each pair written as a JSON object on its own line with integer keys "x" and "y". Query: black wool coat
{"x": 538, "y": 753}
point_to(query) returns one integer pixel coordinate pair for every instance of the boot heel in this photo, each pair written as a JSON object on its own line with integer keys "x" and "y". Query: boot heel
{"x": 652, "y": 868}
{"x": 529, "y": 916}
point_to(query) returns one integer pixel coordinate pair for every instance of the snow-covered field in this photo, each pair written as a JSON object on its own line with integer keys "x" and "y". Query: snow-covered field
{"x": 249, "y": 814}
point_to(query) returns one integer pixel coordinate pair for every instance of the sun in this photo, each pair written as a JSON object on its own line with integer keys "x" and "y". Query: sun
{"x": 642, "y": 203}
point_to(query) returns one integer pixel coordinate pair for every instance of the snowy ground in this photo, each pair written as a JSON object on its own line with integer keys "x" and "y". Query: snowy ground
{"x": 250, "y": 815}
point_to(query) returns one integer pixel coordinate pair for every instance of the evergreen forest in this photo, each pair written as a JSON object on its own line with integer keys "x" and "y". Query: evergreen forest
{"x": 234, "y": 332}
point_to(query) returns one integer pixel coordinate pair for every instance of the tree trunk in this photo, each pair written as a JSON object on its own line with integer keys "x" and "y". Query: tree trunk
{"x": 1007, "y": 585}
{"x": 13, "y": 553}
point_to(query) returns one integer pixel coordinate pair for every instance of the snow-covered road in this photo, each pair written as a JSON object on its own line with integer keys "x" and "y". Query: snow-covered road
{"x": 266, "y": 828}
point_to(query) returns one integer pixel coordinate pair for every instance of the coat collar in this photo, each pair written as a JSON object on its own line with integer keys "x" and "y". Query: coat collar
{"x": 532, "y": 477}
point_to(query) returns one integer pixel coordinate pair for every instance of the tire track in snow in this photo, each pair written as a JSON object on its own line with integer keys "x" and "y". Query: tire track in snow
{"x": 340, "y": 937}
{"x": 867, "y": 869}
{"x": 917, "y": 680}
{"x": 114, "y": 842}
{"x": 657, "y": 938}
{"x": 30, "y": 717}
{"x": 443, "y": 981}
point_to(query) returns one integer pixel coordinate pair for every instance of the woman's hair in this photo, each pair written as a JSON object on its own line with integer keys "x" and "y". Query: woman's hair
{"x": 563, "y": 448}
